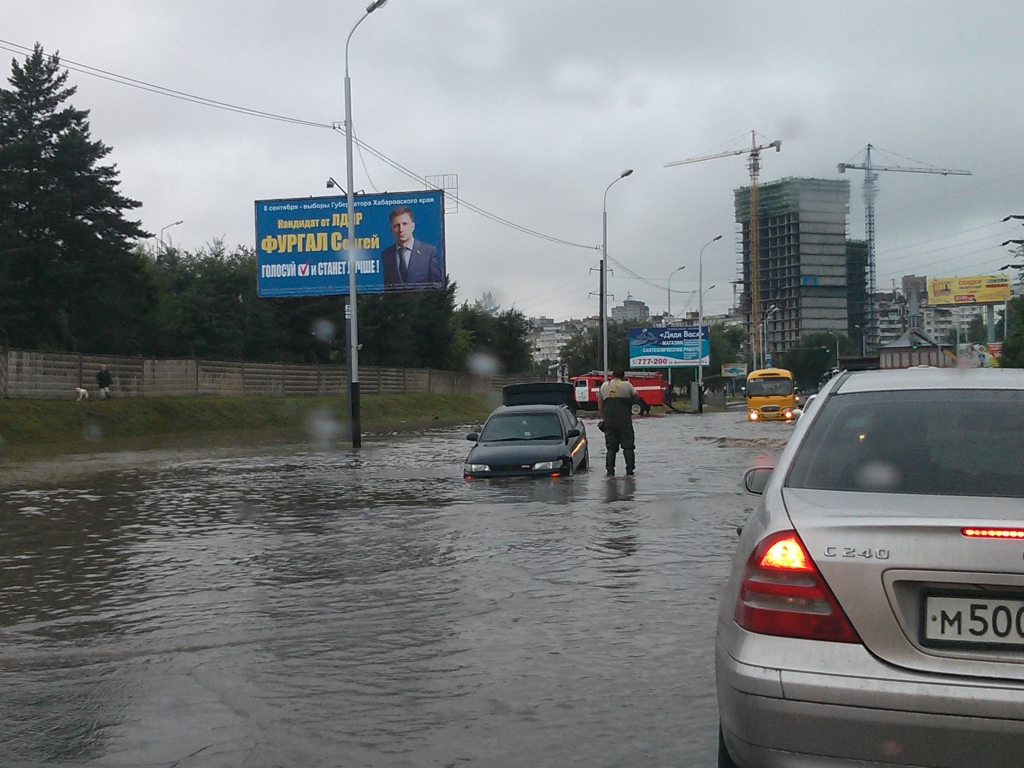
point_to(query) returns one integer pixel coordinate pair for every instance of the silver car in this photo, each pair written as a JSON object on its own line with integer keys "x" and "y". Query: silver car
{"x": 875, "y": 610}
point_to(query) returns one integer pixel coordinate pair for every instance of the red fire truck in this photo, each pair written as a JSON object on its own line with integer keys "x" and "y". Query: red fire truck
{"x": 648, "y": 385}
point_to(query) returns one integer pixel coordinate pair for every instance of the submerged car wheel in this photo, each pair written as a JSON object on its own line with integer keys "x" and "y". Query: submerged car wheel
{"x": 724, "y": 758}
{"x": 636, "y": 409}
{"x": 585, "y": 462}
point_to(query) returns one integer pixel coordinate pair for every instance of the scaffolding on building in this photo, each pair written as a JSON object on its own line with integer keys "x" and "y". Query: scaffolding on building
{"x": 802, "y": 260}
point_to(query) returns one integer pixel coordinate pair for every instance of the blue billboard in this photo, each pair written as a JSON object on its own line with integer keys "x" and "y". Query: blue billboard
{"x": 669, "y": 347}
{"x": 301, "y": 244}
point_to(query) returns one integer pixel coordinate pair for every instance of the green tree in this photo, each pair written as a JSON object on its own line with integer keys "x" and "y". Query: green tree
{"x": 726, "y": 346}
{"x": 69, "y": 274}
{"x": 583, "y": 353}
{"x": 501, "y": 333}
{"x": 414, "y": 330}
{"x": 206, "y": 305}
{"x": 815, "y": 355}
{"x": 1013, "y": 346}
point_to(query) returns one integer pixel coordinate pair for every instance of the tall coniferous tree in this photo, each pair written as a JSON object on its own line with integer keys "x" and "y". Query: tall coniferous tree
{"x": 69, "y": 277}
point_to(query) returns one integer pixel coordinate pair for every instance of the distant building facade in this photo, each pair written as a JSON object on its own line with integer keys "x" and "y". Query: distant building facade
{"x": 802, "y": 259}
{"x": 547, "y": 337}
{"x": 632, "y": 311}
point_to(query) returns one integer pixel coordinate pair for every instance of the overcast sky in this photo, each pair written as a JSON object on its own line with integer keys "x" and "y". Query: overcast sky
{"x": 538, "y": 106}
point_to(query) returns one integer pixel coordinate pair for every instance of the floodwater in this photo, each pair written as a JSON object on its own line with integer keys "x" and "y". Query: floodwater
{"x": 331, "y": 609}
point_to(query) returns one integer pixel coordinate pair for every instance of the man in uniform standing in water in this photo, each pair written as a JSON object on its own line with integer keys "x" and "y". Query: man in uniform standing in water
{"x": 613, "y": 407}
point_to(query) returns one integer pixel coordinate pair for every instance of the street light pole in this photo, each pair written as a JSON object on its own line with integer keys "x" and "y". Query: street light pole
{"x": 700, "y": 325}
{"x": 604, "y": 274}
{"x": 166, "y": 228}
{"x": 764, "y": 334}
{"x": 837, "y": 347}
{"x": 353, "y": 321}
{"x": 677, "y": 269}
{"x": 863, "y": 346}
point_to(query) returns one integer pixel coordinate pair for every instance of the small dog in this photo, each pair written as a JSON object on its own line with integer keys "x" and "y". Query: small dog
{"x": 83, "y": 394}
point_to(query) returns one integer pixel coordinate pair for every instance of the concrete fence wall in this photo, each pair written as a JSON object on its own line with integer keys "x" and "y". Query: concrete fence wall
{"x": 34, "y": 374}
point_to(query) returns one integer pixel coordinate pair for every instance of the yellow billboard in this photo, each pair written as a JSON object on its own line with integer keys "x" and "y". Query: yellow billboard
{"x": 977, "y": 289}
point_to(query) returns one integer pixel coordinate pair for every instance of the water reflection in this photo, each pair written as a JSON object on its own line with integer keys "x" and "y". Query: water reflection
{"x": 619, "y": 488}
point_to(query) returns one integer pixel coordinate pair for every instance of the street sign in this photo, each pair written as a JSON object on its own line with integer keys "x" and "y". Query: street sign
{"x": 734, "y": 370}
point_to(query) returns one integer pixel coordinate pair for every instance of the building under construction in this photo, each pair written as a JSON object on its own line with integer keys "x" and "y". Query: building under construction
{"x": 803, "y": 264}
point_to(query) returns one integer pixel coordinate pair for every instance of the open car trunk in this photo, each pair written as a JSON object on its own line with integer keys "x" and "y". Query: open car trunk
{"x": 539, "y": 393}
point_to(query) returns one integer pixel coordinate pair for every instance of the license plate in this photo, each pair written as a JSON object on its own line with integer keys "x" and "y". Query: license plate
{"x": 973, "y": 621}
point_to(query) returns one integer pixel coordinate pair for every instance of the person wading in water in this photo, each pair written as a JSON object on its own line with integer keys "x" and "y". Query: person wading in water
{"x": 613, "y": 407}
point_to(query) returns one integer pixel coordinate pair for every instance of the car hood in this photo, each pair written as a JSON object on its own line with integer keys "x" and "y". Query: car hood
{"x": 518, "y": 452}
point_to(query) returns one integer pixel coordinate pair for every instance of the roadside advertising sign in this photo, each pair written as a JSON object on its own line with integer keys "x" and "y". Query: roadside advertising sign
{"x": 734, "y": 370}
{"x": 978, "y": 289}
{"x": 685, "y": 347}
{"x": 979, "y": 355}
{"x": 301, "y": 244}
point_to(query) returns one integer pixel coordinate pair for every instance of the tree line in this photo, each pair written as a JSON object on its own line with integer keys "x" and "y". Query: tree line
{"x": 76, "y": 274}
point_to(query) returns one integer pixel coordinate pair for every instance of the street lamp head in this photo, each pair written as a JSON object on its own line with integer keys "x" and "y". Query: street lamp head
{"x": 625, "y": 173}
{"x": 375, "y": 5}
{"x": 716, "y": 237}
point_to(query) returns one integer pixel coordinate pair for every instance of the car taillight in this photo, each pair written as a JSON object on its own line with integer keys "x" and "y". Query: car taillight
{"x": 783, "y": 593}
{"x": 993, "y": 533}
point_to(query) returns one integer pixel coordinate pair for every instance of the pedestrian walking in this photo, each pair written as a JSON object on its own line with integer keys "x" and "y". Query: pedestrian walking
{"x": 103, "y": 382}
{"x": 614, "y": 408}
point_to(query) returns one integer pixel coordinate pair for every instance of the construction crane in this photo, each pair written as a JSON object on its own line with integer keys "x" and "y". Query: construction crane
{"x": 870, "y": 190}
{"x": 754, "y": 164}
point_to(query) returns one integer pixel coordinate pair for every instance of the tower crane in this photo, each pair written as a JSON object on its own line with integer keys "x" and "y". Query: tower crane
{"x": 870, "y": 190}
{"x": 754, "y": 164}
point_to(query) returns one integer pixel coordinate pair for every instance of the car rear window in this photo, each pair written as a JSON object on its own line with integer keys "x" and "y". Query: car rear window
{"x": 522, "y": 426}
{"x": 939, "y": 442}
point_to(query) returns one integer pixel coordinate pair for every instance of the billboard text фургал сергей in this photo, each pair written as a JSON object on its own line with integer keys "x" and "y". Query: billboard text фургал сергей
{"x": 685, "y": 347}
{"x": 301, "y": 244}
{"x": 976, "y": 289}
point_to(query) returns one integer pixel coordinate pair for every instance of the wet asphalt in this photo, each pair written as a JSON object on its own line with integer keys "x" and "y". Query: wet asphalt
{"x": 322, "y": 608}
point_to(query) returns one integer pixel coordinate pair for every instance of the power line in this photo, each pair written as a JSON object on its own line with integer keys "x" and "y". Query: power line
{"x": 222, "y": 105}
{"x": 635, "y": 276}
{"x": 937, "y": 239}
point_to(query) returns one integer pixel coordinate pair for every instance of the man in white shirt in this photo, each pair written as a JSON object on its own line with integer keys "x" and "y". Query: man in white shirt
{"x": 614, "y": 406}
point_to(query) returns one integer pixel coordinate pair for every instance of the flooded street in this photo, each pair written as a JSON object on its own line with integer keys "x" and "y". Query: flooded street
{"x": 322, "y": 608}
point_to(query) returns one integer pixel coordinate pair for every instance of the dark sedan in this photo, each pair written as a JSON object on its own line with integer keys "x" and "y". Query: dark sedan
{"x": 537, "y": 439}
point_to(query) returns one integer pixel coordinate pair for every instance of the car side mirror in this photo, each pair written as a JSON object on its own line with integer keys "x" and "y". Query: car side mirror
{"x": 572, "y": 433}
{"x": 473, "y": 436}
{"x": 755, "y": 479}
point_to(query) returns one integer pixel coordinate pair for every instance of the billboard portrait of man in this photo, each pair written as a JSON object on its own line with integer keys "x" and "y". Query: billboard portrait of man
{"x": 409, "y": 262}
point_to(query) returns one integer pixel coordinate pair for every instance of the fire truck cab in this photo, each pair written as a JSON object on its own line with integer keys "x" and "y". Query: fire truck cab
{"x": 649, "y": 386}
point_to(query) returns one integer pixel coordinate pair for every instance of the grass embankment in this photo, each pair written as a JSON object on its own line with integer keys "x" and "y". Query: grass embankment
{"x": 33, "y": 429}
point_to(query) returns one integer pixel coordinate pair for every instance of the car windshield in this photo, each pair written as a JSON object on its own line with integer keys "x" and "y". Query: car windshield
{"x": 941, "y": 442}
{"x": 768, "y": 387}
{"x": 522, "y": 426}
